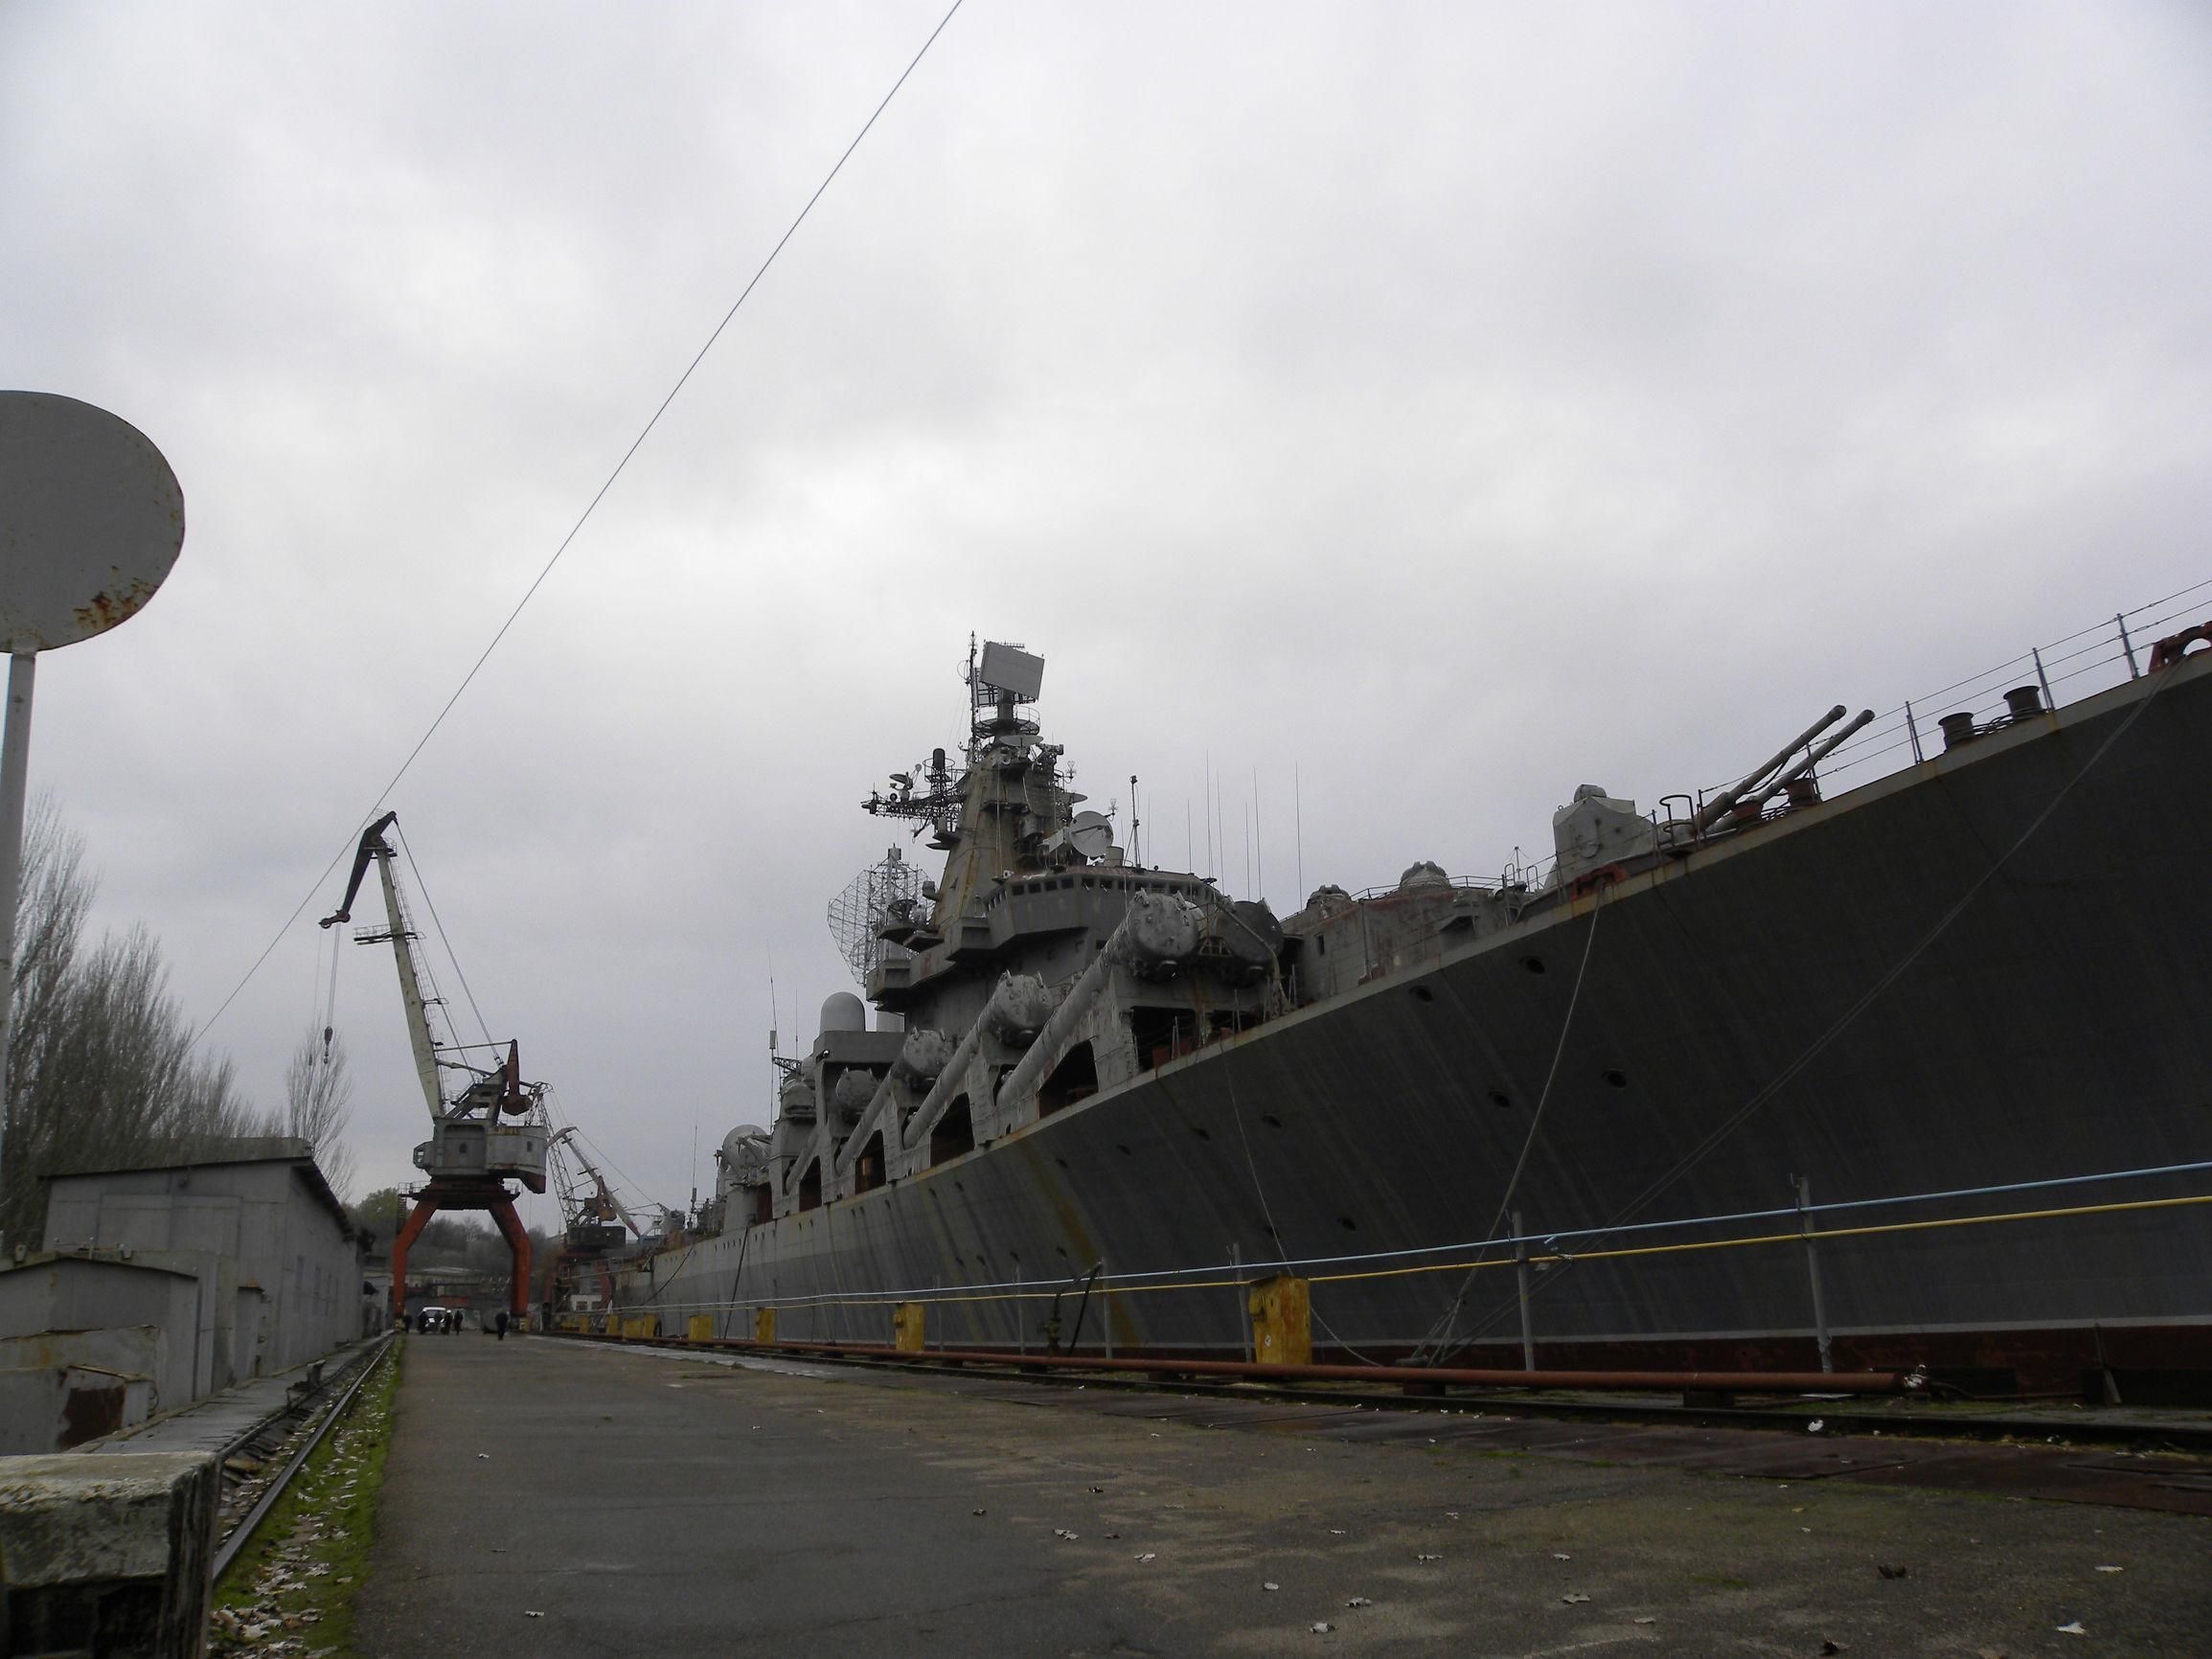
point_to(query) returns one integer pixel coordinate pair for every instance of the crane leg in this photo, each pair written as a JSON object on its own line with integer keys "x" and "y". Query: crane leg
{"x": 418, "y": 1219}
{"x": 518, "y": 1241}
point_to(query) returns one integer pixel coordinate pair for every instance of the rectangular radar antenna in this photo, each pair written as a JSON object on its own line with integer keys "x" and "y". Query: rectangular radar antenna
{"x": 1012, "y": 671}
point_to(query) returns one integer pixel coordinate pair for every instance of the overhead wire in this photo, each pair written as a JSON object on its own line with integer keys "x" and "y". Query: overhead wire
{"x": 573, "y": 530}
{"x": 1441, "y": 1333}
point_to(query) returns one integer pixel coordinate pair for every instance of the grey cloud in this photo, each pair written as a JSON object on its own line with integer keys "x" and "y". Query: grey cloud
{"x": 1455, "y": 404}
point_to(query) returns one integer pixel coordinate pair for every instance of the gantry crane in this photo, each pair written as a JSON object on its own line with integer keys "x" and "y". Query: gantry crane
{"x": 471, "y": 1154}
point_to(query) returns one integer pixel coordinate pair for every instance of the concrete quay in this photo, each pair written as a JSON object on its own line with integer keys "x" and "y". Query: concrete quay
{"x": 546, "y": 1497}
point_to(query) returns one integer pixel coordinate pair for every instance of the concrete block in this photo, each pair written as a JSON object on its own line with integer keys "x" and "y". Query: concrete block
{"x": 764, "y": 1325}
{"x": 908, "y": 1327}
{"x": 108, "y": 1553}
{"x": 700, "y": 1327}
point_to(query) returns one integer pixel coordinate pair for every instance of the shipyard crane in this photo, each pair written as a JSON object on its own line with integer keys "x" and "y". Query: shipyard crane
{"x": 471, "y": 1154}
{"x": 596, "y": 1220}
{"x": 600, "y": 1208}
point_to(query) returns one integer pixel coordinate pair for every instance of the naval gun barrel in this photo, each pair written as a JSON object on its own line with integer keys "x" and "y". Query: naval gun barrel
{"x": 1720, "y": 805}
{"x": 1863, "y": 718}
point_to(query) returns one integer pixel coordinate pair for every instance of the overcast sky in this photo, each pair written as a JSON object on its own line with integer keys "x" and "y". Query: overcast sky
{"x": 1440, "y": 406}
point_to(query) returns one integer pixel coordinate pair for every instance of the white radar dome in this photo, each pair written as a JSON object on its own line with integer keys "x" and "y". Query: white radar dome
{"x": 842, "y": 1010}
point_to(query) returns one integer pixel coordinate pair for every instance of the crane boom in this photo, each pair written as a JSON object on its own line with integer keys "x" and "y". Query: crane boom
{"x": 374, "y": 847}
{"x": 411, "y": 988}
{"x": 605, "y": 1200}
{"x": 372, "y": 838}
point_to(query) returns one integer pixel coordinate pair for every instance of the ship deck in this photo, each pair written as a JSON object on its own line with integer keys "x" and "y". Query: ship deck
{"x": 545, "y": 1496}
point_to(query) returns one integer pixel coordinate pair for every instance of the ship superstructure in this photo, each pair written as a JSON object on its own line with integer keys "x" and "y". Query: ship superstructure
{"x": 1038, "y": 968}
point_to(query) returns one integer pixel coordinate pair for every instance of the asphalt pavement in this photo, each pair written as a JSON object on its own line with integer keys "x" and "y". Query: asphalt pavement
{"x": 552, "y": 1498}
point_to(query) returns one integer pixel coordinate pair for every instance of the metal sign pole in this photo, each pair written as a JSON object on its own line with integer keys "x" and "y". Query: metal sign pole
{"x": 14, "y": 772}
{"x": 91, "y": 518}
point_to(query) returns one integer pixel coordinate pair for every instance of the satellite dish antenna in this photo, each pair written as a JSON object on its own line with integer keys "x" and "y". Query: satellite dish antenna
{"x": 1092, "y": 834}
{"x": 91, "y": 521}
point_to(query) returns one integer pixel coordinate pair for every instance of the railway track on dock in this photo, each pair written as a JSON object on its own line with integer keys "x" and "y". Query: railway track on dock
{"x": 2147, "y": 1462}
{"x": 1778, "y": 1401}
{"x": 262, "y": 1463}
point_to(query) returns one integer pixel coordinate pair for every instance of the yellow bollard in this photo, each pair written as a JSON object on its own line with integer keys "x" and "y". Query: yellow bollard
{"x": 1281, "y": 1310}
{"x": 907, "y": 1326}
{"x": 701, "y": 1327}
{"x": 764, "y": 1326}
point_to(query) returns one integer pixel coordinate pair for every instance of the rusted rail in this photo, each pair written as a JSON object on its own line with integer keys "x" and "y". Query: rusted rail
{"x": 242, "y": 1534}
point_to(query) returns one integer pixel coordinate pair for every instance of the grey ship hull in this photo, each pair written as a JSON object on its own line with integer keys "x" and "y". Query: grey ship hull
{"x": 2053, "y": 1027}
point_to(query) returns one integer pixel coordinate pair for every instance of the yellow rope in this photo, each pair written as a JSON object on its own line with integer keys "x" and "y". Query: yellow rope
{"x": 1621, "y": 1254}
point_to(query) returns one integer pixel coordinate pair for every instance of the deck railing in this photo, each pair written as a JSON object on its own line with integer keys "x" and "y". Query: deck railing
{"x": 1799, "y": 1226}
{"x": 2089, "y": 660}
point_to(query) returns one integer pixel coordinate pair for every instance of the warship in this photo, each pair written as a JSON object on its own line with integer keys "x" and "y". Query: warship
{"x": 1911, "y": 1073}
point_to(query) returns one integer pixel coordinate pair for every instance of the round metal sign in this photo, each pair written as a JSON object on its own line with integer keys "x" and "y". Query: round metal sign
{"x": 91, "y": 519}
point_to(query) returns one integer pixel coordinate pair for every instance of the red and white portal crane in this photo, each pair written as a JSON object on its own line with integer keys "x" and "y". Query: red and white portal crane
{"x": 471, "y": 1154}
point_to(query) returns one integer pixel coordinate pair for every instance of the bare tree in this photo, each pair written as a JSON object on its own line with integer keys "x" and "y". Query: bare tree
{"x": 319, "y": 1103}
{"x": 101, "y": 1070}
